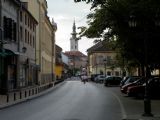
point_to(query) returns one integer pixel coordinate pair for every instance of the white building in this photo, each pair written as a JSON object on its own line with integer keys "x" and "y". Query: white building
{"x": 74, "y": 39}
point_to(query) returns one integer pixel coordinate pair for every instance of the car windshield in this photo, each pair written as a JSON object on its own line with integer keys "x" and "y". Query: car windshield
{"x": 131, "y": 79}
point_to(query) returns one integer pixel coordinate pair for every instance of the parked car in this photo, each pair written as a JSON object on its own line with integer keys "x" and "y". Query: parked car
{"x": 128, "y": 79}
{"x": 112, "y": 80}
{"x": 93, "y": 76}
{"x": 99, "y": 79}
{"x": 135, "y": 83}
{"x": 139, "y": 90}
{"x": 123, "y": 80}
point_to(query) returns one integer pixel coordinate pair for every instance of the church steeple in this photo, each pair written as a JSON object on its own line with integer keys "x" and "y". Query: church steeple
{"x": 74, "y": 27}
{"x": 74, "y": 40}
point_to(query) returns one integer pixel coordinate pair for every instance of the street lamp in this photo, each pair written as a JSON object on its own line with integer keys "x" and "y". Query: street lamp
{"x": 147, "y": 102}
{"x": 105, "y": 62}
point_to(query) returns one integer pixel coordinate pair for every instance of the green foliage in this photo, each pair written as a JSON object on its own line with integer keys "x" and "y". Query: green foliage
{"x": 137, "y": 43}
{"x": 87, "y": 1}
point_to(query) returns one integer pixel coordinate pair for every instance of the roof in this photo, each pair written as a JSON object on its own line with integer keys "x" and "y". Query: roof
{"x": 75, "y": 53}
{"x": 100, "y": 47}
{"x": 58, "y": 49}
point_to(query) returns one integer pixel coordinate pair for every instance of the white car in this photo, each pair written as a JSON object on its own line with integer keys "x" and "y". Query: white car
{"x": 100, "y": 79}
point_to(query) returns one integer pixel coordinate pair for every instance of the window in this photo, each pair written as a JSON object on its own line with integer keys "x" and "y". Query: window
{"x": 21, "y": 33}
{"x": 33, "y": 42}
{"x": 25, "y": 36}
{"x": 14, "y": 31}
{"x": 109, "y": 60}
{"x": 33, "y": 27}
{"x": 117, "y": 73}
{"x": 25, "y": 19}
{"x": 21, "y": 16}
{"x": 30, "y": 39}
{"x": 100, "y": 59}
{"x": 109, "y": 73}
{"x": 28, "y": 22}
{"x": 5, "y": 26}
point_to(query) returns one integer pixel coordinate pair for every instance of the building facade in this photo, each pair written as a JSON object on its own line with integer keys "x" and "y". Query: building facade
{"x": 27, "y": 48}
{"x": 102, "y": 60}
{"x": 59, "y": 63}
{"x": 17, "y": 50}
{"x": 45, "y": 40}
{"x": 77, "y": 61}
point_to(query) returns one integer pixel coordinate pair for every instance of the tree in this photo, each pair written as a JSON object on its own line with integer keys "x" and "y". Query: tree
{"x": 112, "y": 17}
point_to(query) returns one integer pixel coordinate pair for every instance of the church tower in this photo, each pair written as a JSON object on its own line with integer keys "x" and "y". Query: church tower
{"x": 74, "y": 39}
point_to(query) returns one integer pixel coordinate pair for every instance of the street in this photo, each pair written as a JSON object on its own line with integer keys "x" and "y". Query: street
{"x": 75, "y": 100}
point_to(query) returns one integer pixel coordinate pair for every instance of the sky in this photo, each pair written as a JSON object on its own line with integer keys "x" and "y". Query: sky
{"x": 64, "y": 12}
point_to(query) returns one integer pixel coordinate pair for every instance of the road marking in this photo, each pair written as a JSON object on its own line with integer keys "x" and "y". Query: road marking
{"x": 124, "y": 115}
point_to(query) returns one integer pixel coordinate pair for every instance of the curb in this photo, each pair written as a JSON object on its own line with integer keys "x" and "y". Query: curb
{"x": 138, "y": 117}
{"x": 31, "y": 97}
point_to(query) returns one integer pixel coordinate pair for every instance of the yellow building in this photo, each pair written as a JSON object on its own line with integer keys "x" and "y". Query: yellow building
{"x": 59, "y": 64}
{"x": 45, "y": 40}
{"x": 58, "y": 71}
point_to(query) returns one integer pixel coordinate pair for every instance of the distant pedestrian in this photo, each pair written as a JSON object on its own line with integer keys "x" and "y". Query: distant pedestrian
{"x": 84, "y": 79}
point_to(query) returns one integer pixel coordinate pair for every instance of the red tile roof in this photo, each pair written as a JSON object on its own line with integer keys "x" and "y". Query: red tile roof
{"x": 75, "y": 53}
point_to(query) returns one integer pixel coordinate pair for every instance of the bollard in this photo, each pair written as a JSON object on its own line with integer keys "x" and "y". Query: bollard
{"x": 20, "y": 95}
{"x": 25, "y": 94}
{"x": 7, "y": 98}
{"x": 14, "y": 96}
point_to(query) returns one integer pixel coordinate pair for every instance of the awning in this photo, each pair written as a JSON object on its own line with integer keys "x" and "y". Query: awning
{"x": 6, "y": 52}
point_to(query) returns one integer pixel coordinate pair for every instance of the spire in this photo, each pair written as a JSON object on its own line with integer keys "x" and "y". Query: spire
{"x": 54, "y": 24}
{"x": 52, "y": 21}
{"x": 74, "y": 27}
{"x": 74, "y": 40}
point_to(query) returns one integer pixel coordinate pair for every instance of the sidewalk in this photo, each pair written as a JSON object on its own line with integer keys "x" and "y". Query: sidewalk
{"x": 140, "y": 117}
{"x": 138, "y": 114}
{"x": 133, "y": 108}
{"x": 135, "y": 111}
{"x": 22, "y": 96}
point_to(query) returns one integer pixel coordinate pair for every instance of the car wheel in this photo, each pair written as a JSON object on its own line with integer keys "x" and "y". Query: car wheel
{"x": 129, "y": 94}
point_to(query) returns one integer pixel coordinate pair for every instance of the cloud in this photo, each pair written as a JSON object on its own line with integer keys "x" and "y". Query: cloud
{"x": 64, "y": 12}
{"x": 62, "y": 17}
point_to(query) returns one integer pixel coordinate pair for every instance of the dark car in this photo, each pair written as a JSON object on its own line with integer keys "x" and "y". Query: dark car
{"x": 112, "y": 80}
{"x": 128, "y": 79}
{"x": 93, "y": 76}
{"x": 135, "y": 83}
{"x": 139, "y": 90}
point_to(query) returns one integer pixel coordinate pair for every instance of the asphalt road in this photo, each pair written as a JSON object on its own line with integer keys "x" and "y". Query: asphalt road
{"x": 72, "y": 101}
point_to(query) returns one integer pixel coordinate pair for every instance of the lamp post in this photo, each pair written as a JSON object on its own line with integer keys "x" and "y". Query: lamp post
{"x": 105, "y": 62}
{"x": 147, "y": 102}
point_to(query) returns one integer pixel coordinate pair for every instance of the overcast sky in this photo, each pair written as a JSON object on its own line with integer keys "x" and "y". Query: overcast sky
{"x": 64, "y": 12}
